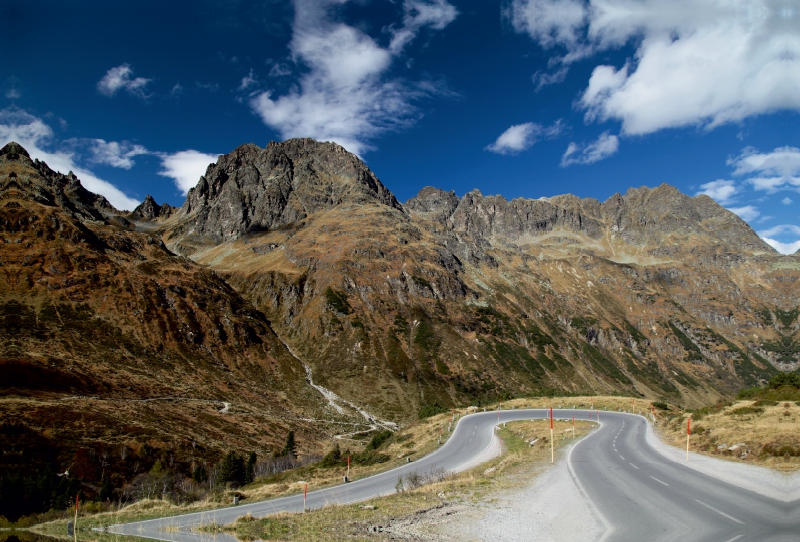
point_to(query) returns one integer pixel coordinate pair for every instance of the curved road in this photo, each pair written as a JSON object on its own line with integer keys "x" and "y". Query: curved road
{"x": 637, "y": 493}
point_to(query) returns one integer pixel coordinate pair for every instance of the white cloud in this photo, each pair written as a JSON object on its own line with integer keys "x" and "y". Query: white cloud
{"x": 279, "y": 70}
{"x": 121, "y": 78}
{"x": 781, "y": 230}
{"x": 248, "y": 81}
{"x": 186, "y": 167}
{"x": 35, "y": 135}
{"x": 723, "y": 192}
{"x": 541, "y": 79}
{"x": 605, "y": 146}
{"x": 783, "y": 248}
{"x": 13, "y": 94}
{"x": 773, "y": 171}
{"x": 345, "y": 95}
{"x": 436, "y": 14}
{"x": 747, "y": 213}
{"x": 114, "y": 153}
{"x": 786, "y": 201}
{"x": 550, "y": 22}
{"x": 522, "y": 136}
{"x": 697, "y": 62}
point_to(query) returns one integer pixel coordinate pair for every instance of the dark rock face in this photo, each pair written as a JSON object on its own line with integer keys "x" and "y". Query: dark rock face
{"x": 254, "y": 189}
{"x": 433, "y": 204}
{"x": 51, "y": 188}
{"x": 150, "y": 210}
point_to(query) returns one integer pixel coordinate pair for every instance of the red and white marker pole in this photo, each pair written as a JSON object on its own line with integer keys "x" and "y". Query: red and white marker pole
{"x": 688, "y": 433}
{"x": 573, "y": 427}
{"x": 348, "y": 467}
{"x": 75, "y": 523}
{"x": 552, "y": 444}
{"x": 305, "y": 494}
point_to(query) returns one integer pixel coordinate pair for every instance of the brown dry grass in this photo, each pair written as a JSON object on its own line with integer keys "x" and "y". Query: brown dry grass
{"x": 761, "y": 427}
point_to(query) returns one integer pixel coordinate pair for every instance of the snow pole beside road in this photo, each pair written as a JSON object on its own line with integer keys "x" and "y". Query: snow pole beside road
{"x": 552, "y": 444}
{"x": 688, "y": 433}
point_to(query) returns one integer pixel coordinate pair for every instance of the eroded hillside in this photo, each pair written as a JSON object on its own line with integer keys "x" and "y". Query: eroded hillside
{"x": 447, "y": 300}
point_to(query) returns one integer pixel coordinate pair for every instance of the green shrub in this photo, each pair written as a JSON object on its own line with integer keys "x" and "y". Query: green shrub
{"x": 379, "y": 439}
{"x": 785, "y": 379}
{"x": 431, "y": 410}
{"x": 660, "y": 405}
{"x": 337, "y": 301}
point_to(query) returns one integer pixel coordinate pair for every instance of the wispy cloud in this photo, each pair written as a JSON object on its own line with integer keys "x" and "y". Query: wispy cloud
{"x": 770, "y": 172}
{"x": 748, "y": 213}
{"x": 121, "y": 78}
{"x": 785, "y": 230}
{"x": 697, "y": 62}
{"x": 520, "y": 137}
{"x": 37, "y": 137}
{"x": 346, "y": 95}
{"x": 721, "y": 191}
{"x": 605, "y": 145}
{"x": 543, "y": 79}
{"x": 248, "y": 81}
{"x": 185, "y": 167}
{"x": 114, "y": 153}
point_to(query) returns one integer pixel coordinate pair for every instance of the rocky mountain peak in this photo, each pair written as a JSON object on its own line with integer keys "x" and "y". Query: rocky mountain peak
{"x": 33, "y": 180}
{"x": 12, "y": 151}
{"x": 150, "y": 210}
{"x": 433, "y": 204}
{"x": 254, "y": 189}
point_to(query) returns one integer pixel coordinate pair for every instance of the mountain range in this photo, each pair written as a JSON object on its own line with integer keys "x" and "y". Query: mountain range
{"x": 293, "y": 291}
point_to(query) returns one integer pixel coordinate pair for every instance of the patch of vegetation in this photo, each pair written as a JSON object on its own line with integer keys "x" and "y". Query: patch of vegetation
{"x": 425, "y": 338}
{"x": 692, "y": 349}
{"x": 431, "y": 409}
{"x": 786, "y": 317}
{"x": 746, "y": 410}
{"x": 781, "y": 387}
{"x": 379, "y": 439}
{"x": 604, "y": 364}
{"x": 337, "y": 301}
{"x": 421, "y": 282}
{"x": 766, "y": 316}
{"x": 635, "y": 333}
{"x": 787, "y": 349}
{"x": 582, "y": 323}
{"x": 660, "y": 405}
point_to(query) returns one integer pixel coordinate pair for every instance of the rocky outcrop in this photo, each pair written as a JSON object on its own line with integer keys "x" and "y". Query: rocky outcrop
{"x": 149, "y": 210}
{"x": 253, "y": 190}
{"x": 433, "y": 204}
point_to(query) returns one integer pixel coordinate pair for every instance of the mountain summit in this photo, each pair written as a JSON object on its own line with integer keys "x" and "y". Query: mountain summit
{"x": 254, "y": 189}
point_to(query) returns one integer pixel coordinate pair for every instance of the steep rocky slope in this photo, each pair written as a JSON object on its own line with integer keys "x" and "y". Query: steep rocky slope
{"x": 447, "y": 300}
{"x": 116, "y": 353}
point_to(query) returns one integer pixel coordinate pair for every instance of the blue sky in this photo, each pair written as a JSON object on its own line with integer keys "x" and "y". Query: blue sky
{"x": 524, "y": 98}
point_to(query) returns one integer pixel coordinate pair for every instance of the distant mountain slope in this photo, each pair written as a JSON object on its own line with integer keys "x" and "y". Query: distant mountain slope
{"x": 449, "y": 300}
{"x": 115, "y": 352}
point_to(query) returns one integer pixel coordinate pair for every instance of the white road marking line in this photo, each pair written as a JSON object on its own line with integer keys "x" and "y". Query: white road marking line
{"x": 634, "y": 466}
{"x": 720, "y": 513}
{"x": 622, "y": 458}
{"x": 735, "y": 538}
{"x": 659, "y": 481}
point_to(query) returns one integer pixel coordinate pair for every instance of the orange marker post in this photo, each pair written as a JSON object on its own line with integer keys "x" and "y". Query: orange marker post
{"x": 305, "y": 494}
{"x": 552, "y": 444}
{"x": 75, "y": 523}
{"x": 688, "y": 433}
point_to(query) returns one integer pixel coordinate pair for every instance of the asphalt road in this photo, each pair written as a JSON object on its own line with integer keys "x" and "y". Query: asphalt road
{"x": 638, "y": 494}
